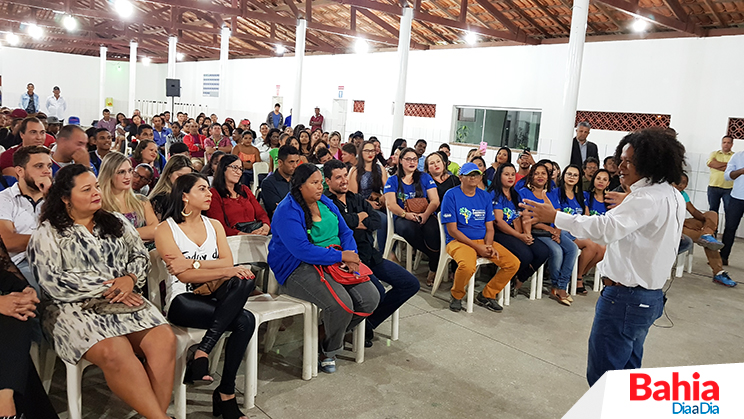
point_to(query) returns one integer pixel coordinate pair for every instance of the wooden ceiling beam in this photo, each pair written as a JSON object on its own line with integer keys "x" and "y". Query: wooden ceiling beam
{"x": 602, "y": 8}
{"x": 293, "y": 7}
{"x": 526, "y": 17}
{"x": 716, "y": 16}
{"x": 552, "y": 16}
{"x": 668, "y": 22}
{"x": 500, "y": 17}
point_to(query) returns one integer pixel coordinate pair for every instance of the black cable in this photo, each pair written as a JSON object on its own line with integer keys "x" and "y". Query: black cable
{"x": 664, "y": 293}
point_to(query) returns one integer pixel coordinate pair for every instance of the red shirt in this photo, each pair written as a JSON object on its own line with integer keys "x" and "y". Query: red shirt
{"x": 49, "y": 141}
{"x": 518, "y": 178}
{"x": 6, "y": 159}
{"x": 196, "y": 146}
{"x": 233, "y": 211}
{"x": 316, "y": 122}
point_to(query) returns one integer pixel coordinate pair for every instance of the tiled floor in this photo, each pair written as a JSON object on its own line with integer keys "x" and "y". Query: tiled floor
{"x": 527, "y": 362}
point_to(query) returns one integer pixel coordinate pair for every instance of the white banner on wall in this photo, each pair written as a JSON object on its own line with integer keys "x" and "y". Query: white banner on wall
{"x": 211, "y": 85}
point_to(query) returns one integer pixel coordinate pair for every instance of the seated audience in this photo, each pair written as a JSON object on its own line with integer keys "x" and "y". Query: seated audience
{"x": 21, "y": 393}
{"x": 32, "y": 133}
{"x": 481, "y": 164}
{"x": 276, "y": 186}
{"x": 103, "y": 146}
{"x": 412, "y": 198}
{"x": 555, "y": 173}
{"x": 349, "y": 155}
{"x": 510, "y": 231}
{"x": 180, "y": 149}
{"x": 71, "y": 148}
{"x": 176, "y": 166}
{"x": 216, "y": 141}
{"x": 310, "y": 224}
{"x": 467, "y": 213}
{"x": 434, "y": 165}
{"x": 306, "y": 149}
{"x": 368, "y": 179}
{"x": 701, "y": 228}
{"x": 334, "y": 145}
{"x": 569, "y": 198}
{"x": 502, "y": 156}
{"x": 317, "y": 146}
{"x": 248, "y": 154}
{"x": 198, "y": 163}
{"x": 563, "y": 250}
{"x": 525, "y": 162}
{"x": 363, "y": 219}
{"x": 190, "y": 267}
{"x": 233, "y": 203}
{"x": 323, "y": 156}
{"x": 611, "y": 167}
{"x": 142, "y": 178}
{"x": 591, "y": 165}
{"x": 82, "y": 254}
{"x": 453, "y": 168}
{"x": 595, "y": 197}
{"x": 209, "y": 169}
{"x": 115, "y": 183}
{"x": 160, "y": 132}
{"x": 176, "y": 136}
{"x": 147, "y": 152}
{"x": 193, "y": 140}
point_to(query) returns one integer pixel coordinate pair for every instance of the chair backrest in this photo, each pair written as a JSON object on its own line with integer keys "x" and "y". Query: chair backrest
{"x": 442, "y": 236}
{"x": 252, "y": 249}
{"x": 158, "y": 273}
{"x": 390, "y": 224}
{"x": 259, "y": 168}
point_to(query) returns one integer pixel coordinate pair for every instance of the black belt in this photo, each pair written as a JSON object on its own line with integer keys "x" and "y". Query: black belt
{"x": 610, "y": 283}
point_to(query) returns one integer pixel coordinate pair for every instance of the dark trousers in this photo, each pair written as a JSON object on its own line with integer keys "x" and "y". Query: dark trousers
{"x": 218, "y": 313}
{"x": 621, "y": 322}
{"x": 422, "y": 237}
{"x": 530, "y": 257}
{"x": 404, "y": 284}
{"x": 17, "y": 371}
{"x": 715, "y": 195}
{"x": 734, "y": 212}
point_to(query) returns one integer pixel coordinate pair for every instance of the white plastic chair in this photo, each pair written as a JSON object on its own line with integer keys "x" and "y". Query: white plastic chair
{"x": 74, "y": 384}
{"x": 258, "y": 169}
{"x": 445, "y": 258}
{"x": 572, "y": 283}
{"x": 598, "y": 285}
{"x": 536, "y": 281}
{"x": 392, "y": 237}
{"x": 684, "y": 262}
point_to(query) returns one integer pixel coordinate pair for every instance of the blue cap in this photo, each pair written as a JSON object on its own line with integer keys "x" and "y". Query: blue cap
{"x": 469, "y": 168}
{"x": 73, "y": 120}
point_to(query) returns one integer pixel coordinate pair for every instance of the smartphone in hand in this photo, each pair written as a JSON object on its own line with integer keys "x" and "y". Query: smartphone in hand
{"x": 483, "y": 147}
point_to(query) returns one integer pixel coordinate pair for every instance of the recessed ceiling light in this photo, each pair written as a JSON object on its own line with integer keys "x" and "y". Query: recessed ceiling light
{"x": 34, "y": 31}
{"x": 70, "y": 23}
{"x": 124, "y": 8}
{"x": 12, "y": 39}
{"x": 180, "y": 56}
{"x": 640, "y": 25}
{"x": 146, "y": 61}
{"x": 471, "y": 38}
{"x": 361, "y": 46}
{"x": 280, "y": 49}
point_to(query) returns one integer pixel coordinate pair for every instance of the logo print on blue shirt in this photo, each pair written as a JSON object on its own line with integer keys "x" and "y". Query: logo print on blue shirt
{"x": 466, "y": 213}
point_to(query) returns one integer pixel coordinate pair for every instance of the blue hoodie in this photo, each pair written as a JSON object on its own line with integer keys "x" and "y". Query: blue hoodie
{"x": 289, "y": 242}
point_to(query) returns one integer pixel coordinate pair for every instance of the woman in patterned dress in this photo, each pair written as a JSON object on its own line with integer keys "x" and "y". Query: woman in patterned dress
{"x": 115, "y": 182}
{"x": 79, "y": 252}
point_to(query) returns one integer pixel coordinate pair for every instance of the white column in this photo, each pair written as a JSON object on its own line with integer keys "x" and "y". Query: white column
{"x": 172, "y": 41}
{"x": 102, "y": 81}
{"x": 299, "y": 57}
{"x": 404, "y": 44}
{"x": 132, "y": 76}
{"x": 224, "y": 50}
{"x": 565, "y": 133}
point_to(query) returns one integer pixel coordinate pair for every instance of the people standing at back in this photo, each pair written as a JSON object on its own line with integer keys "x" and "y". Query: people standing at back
{"x": 719, "y": 188}
{"x": 275, "y": 119}
{"x": 412, "y": 198}
{"x": 582, "y": 148}
{"x": 524, "y": 163}
{"x": 29, "y": 100}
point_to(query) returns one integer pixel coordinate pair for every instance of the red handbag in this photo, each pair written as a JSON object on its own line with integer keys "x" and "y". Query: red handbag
{"x": 340, "y": 273}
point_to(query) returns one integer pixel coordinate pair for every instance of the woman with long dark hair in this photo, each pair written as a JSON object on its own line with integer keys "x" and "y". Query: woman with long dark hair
{"x": 81, "y": 255}
{"x": 510, "y": 231}
{"x": 178, "y": 165}
{"x": 569, "y": 198}
{"x": 595, "y": 196}
{"x": 563, "y": 250}
{"x": 398, "y": 144}
{"x": 503, "y": 156}
{"x": 306, "y": 149}
{"x": 481, "y": 163}
{"x": 209, "y": 169}
{"x": 147, "y": 152}
{"x": 368, "y": 178}
{"x": 191, "y": 266}
{"x": 233, "y": 202}
{"x": 416, "y": 225}
{"x": 311, "y": 223}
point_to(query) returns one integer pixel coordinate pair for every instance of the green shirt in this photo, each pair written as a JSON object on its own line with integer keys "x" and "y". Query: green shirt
{"x": 325, "y": 232}
{"x": 454, "y": 168}
{"x": 274, "y": 153}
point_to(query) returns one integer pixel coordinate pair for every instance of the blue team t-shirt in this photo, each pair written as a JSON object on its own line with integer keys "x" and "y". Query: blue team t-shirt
{"x": 595, "y": 207}
{"x": 505, "y": 204}
{"x": 568, "y": 206}
{"x": 471, "y": 213}
{"x": 408, "y": 191}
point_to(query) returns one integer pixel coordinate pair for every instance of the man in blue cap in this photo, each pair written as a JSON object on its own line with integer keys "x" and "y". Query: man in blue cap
{"x": 467, "y": 213}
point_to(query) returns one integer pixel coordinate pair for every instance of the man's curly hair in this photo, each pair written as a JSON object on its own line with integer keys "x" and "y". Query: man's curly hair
{"x": 657, "y": 155}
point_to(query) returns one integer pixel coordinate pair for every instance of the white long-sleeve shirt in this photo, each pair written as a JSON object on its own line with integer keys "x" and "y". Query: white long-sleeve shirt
{"x": 642, "y": 234}
{"x": 736, "y": 163}
{"x": 56, "y": 107}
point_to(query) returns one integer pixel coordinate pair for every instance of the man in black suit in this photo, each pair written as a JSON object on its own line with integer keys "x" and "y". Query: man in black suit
{"x": 583, "y": 149}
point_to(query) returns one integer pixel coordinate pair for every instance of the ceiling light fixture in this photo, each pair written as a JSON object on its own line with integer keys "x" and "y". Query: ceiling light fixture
{"x": 12, "y": 39}
{"x": 146, "y": 61}
{"x": 640, "y": 25}
{"x": 280, "y": 50}
{"x": 471, "y": 38}
{"x": 180, "y": 56}
{"x": 70, "y": 23}
{"x": 124, "y": 8}
{"x": 361, "y": 46}
{"x": 34, "y": 31}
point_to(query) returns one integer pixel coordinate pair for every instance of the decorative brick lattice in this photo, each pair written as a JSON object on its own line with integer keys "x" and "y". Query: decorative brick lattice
{"x": 736, "y": 128}
{"x": 423, "y": 110}
{"x": 359, "y": 106}
{"x": 622, "y": 121}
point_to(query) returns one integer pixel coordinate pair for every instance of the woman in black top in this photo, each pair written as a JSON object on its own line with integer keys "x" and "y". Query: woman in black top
{"x": 21, "y": 392}
{"x": 436, "y": 165}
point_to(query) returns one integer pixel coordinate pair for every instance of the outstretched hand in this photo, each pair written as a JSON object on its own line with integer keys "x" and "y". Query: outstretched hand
{"x": 535, "y": 212}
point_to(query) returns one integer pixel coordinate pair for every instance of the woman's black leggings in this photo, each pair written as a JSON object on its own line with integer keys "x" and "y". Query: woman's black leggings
{"x": 422, "y": 237}
{"x": 17, "y": 372}
{"x": 217, "y": 313}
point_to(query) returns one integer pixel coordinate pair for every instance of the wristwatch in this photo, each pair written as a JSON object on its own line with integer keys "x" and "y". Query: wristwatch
{"x": 196, "y": 264}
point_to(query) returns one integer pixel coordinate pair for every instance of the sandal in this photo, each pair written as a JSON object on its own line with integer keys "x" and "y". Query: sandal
{"x": 581, "y": 289}
{"x": 228, "y": 409}
{"x": 563, "y": 300}
{"x": 196, "y": 368}
{"x": 430, "y": 279}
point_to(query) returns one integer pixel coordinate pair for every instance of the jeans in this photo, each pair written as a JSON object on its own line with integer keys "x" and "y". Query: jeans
{"x": 715, "y": 195}
{"x": 734, "y": 212}
{"x": 404, "y": 284}
{"x": 685, "y": 244}
{"x": 621, "y": 321}
{"x": 422, "y": 237}
{"x": 305, "y": 284}
{"x": 382, "y": 231}
{"x": 562, "y": 259}
{"x": 217, "y": 313}
{"x": 531, "y": 257}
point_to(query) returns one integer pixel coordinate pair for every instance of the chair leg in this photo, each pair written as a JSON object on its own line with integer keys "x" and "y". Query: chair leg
{"x": 395, "y": 325}
{"x": 214, "y": 356}
{"x": 47, "y": 357}
{"x": 574, "y": 275}
{"x": 315, "y": 339}
{"x": 271, "y": 331}
{"x": 359, "y": 341}
{"x": 540, "y": 277}
{"x": 307, "y": 342}
{"x": 417, "y": 260}
{"x": 680, "y": 265}
{"x": 251, "y": 370}
{"x": 597, "y": 281}
{"x": 471, "y": 292}
{"x": 74, "y": 395}
{"x": 409, "y": 258}
{"x": 179, "y": 388}
{"x": 507, "y": 294}
{"x": 533, "y": 286}
{"x": 441, "y": 271}
{"x": 689, "y": 260}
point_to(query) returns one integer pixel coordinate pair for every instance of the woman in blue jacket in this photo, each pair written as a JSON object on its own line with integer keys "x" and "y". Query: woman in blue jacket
{"x": 310, "y": 222}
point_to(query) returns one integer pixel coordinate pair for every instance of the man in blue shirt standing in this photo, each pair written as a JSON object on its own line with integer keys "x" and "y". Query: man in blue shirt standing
{"x": 467, "y": 213}
{"x": 29, "y": 100}
{"x": 275, "y": 118}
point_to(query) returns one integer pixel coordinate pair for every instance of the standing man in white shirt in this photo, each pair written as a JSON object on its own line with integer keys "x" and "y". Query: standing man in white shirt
{"x": 735, "y": 206}
{"x": 56, "y": 105}
{"x": 642, "y": 235}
